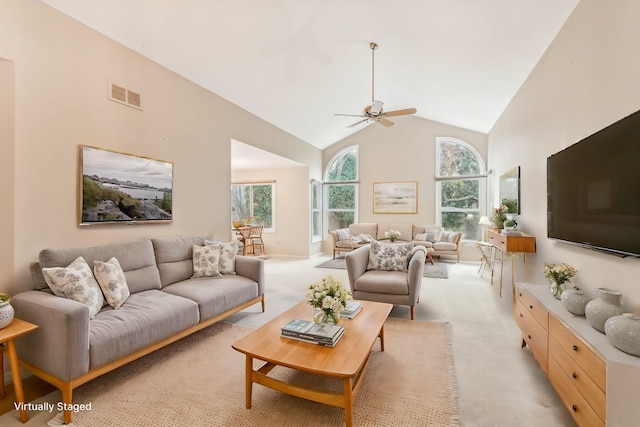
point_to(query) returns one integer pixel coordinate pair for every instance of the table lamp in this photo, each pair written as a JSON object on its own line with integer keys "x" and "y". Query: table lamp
{"x": 484, "y": 222}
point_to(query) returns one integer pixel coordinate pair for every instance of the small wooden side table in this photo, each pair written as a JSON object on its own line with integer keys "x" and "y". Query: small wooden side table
{"x": 8, "y": 335}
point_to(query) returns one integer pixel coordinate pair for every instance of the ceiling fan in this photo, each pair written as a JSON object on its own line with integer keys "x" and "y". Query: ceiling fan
{"x": 375, "y": 112}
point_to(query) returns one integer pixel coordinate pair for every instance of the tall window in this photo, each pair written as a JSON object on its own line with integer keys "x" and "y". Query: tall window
{"x": 341, "y": 189}
{"x": 460, "y": 187}
{"x": 255, "y": 201}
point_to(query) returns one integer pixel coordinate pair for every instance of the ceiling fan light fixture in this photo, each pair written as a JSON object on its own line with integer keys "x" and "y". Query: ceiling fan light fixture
{"x": 376, "y": 108}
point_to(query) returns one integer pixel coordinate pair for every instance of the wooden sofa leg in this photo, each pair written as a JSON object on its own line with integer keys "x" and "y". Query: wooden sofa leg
{"x": 411, "y": 308}
{"x": 67, "y": 391}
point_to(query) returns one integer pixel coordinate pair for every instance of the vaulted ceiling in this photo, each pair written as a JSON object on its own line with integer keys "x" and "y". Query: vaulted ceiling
{"x": 296, "y": 63}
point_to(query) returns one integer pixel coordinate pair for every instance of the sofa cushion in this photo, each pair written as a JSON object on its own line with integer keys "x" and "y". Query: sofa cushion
{"x": 423, "y": 243}
{"x": 77, "y": 283}
{"x": 341, "y": 234}
{"x": 370, "y": 228}
{"x": 206, "y": 261}
{"x": 445, "y": 246}
{"x": 383, "y": 282}
{"x": 389, "y": 256}
{"x": 146, "y": 318}
{"x": 136, "y": 259}
{"x": 174, "y": 257}
{"x": 228, "y": 251}
{"x": 111, "y": 279}
{"x": 215, "y": 295}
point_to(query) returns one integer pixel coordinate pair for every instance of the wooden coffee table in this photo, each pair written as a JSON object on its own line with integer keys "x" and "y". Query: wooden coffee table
{"x": 347, "y": 361}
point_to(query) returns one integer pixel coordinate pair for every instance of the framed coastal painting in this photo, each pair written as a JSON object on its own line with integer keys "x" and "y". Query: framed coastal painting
{"x": 118, "y": 187}
{"x": 395, "y": 197}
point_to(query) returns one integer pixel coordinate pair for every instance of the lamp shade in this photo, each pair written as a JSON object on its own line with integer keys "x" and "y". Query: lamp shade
{"x": 484, "y": 220}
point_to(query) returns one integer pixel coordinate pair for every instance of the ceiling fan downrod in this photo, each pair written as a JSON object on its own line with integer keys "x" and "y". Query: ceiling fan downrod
{"x": 373, "y": 47}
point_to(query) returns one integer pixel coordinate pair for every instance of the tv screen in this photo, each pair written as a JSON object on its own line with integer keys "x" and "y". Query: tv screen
{"x": 593, "y": 190}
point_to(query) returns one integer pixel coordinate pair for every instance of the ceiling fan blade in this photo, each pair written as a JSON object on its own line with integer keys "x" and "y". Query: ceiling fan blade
{"x": 385, "y": 122}
{"x": 358, "y": 122}
{"x": 350, "y": 115}
{"x": 400, "y": 112}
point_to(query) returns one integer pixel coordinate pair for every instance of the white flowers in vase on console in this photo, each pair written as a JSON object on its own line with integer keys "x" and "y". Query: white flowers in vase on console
{"x": 392, "y": 235}
{"x": 558, "y": 274}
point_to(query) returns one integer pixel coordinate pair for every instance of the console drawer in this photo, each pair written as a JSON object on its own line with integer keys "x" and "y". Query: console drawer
{"x": 533, "y": 334}
{"x": 588, "y": 389}
{"x": 581, "y": 411}
{"x": 534, "y": 307}
{"x": 579, "y": 352}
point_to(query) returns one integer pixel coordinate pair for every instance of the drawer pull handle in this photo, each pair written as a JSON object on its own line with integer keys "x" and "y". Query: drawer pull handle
{"x": 575, "y": 408}
{"x": 529, "y": 336}
{"x": 575, "y": 348}
{"x": 531, "y": 307}
{"x": 574, "y": 375}
{"x": 521, "y": 315}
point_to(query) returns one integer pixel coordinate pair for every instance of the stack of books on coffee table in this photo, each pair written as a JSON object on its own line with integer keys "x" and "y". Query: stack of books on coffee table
{"x": 327, "y": 334}
{"x": 351, "y": 310}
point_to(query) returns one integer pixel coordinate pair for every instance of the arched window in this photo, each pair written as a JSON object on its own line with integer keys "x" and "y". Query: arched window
{"x": 461, "y": 188}
{"x": 341, "y": 189}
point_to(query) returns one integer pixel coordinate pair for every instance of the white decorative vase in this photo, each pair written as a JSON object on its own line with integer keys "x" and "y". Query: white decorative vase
{"x": 6, "y": 314}
{"x": 607, "y": 305}
{"x": 574, "y": 301}
{"x": 624, "y": 332}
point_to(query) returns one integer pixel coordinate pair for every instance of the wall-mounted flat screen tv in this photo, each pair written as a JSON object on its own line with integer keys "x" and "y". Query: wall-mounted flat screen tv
{"x": 124, "y": 188}
{"x": 593, "y": 190}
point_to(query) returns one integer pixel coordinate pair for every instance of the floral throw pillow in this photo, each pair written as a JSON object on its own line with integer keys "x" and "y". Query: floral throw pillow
{"x": 112, "y": 281}
{"x": 75, "y": 282}
{"x": 228, "y": 251}
{"x": 389, "y": 256}
{"x": 206, "y": 260}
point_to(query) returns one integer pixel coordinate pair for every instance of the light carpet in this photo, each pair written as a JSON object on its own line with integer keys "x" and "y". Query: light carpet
{"x": 199, "y": 381}
{"x": 438, "y": 270}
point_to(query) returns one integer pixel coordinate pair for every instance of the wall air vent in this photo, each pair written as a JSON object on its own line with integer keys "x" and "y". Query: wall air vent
{"x": 124, "y": 96}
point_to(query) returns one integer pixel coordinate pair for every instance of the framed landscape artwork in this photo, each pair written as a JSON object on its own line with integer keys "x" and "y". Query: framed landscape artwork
{"x": 395, "y": 197}
{"x": 123, "y": 188}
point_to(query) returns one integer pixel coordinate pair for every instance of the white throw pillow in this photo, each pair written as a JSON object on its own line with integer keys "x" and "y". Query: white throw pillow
{"x": 75, "y": 282}
{"x": 433, "y": 236}
{"x": 389, "y": 256}
{"x": 343, "y": 234}
{"x": 206, "y": 260}
{"x": 111, "y": 279}
{"x": 228, "y": 251}
{"x": 421, "y": 237}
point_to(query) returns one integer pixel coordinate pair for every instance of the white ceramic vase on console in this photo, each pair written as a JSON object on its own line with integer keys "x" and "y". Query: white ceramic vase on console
{"x": 607, "y": 305}
{"x": 575, "y": 301}
{"x": 624, "y": 332}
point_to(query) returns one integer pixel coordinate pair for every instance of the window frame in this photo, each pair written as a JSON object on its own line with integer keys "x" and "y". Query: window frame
{"x": 271, "y": 229}
{"x": 327, "y": 184}
{"x": 481, "y": 210}
{"x": 317, "y": 198}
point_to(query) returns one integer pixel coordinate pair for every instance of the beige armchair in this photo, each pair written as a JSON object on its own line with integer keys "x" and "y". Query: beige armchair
{"x": 394, "y": 287}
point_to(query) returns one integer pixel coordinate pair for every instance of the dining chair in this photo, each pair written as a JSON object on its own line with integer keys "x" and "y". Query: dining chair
{"x": 254, "y": 241}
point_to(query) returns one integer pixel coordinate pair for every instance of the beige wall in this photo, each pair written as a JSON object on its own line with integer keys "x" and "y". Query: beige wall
{"x": 61, "y": 74}
{"x": 292, "y": 189}
{"x": 403, "y": 152}
{"x": 7, "y": 179}
{"x": 587, "y": 79}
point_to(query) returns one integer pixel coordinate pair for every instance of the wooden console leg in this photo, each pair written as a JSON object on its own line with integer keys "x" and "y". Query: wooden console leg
{"x": 67, "y": 393}
{"x": 248, "y": 380}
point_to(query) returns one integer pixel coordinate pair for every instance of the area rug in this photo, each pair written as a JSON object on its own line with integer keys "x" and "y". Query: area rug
{"x": 199, "y": 381}
{"x": 439, "y": 270}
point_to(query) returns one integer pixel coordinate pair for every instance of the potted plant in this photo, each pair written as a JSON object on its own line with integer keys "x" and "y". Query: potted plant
{"x": 510, "y": 224}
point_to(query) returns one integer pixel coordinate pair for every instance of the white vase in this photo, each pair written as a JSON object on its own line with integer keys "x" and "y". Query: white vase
{"x": 607, "y": 305}
{"x": 574, "y": 301}
{"x": 624, "y": 332}
{"x": 6, "y": 314}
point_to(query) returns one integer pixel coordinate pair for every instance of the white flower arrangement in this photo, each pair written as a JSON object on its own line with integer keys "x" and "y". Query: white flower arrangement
{"x": 329, "y": 296}
{"x": 392, "y": 235}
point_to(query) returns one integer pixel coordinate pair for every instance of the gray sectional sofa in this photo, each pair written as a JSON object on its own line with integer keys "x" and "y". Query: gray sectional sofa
{"x": 435, "y": 237}
{"x": 165, "y": 304}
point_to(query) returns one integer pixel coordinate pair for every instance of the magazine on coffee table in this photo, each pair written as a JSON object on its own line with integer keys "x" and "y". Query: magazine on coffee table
{"x": 326, "y": 343}
{"x": 351, "y": 310}
{"x": 326, "y": 333}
